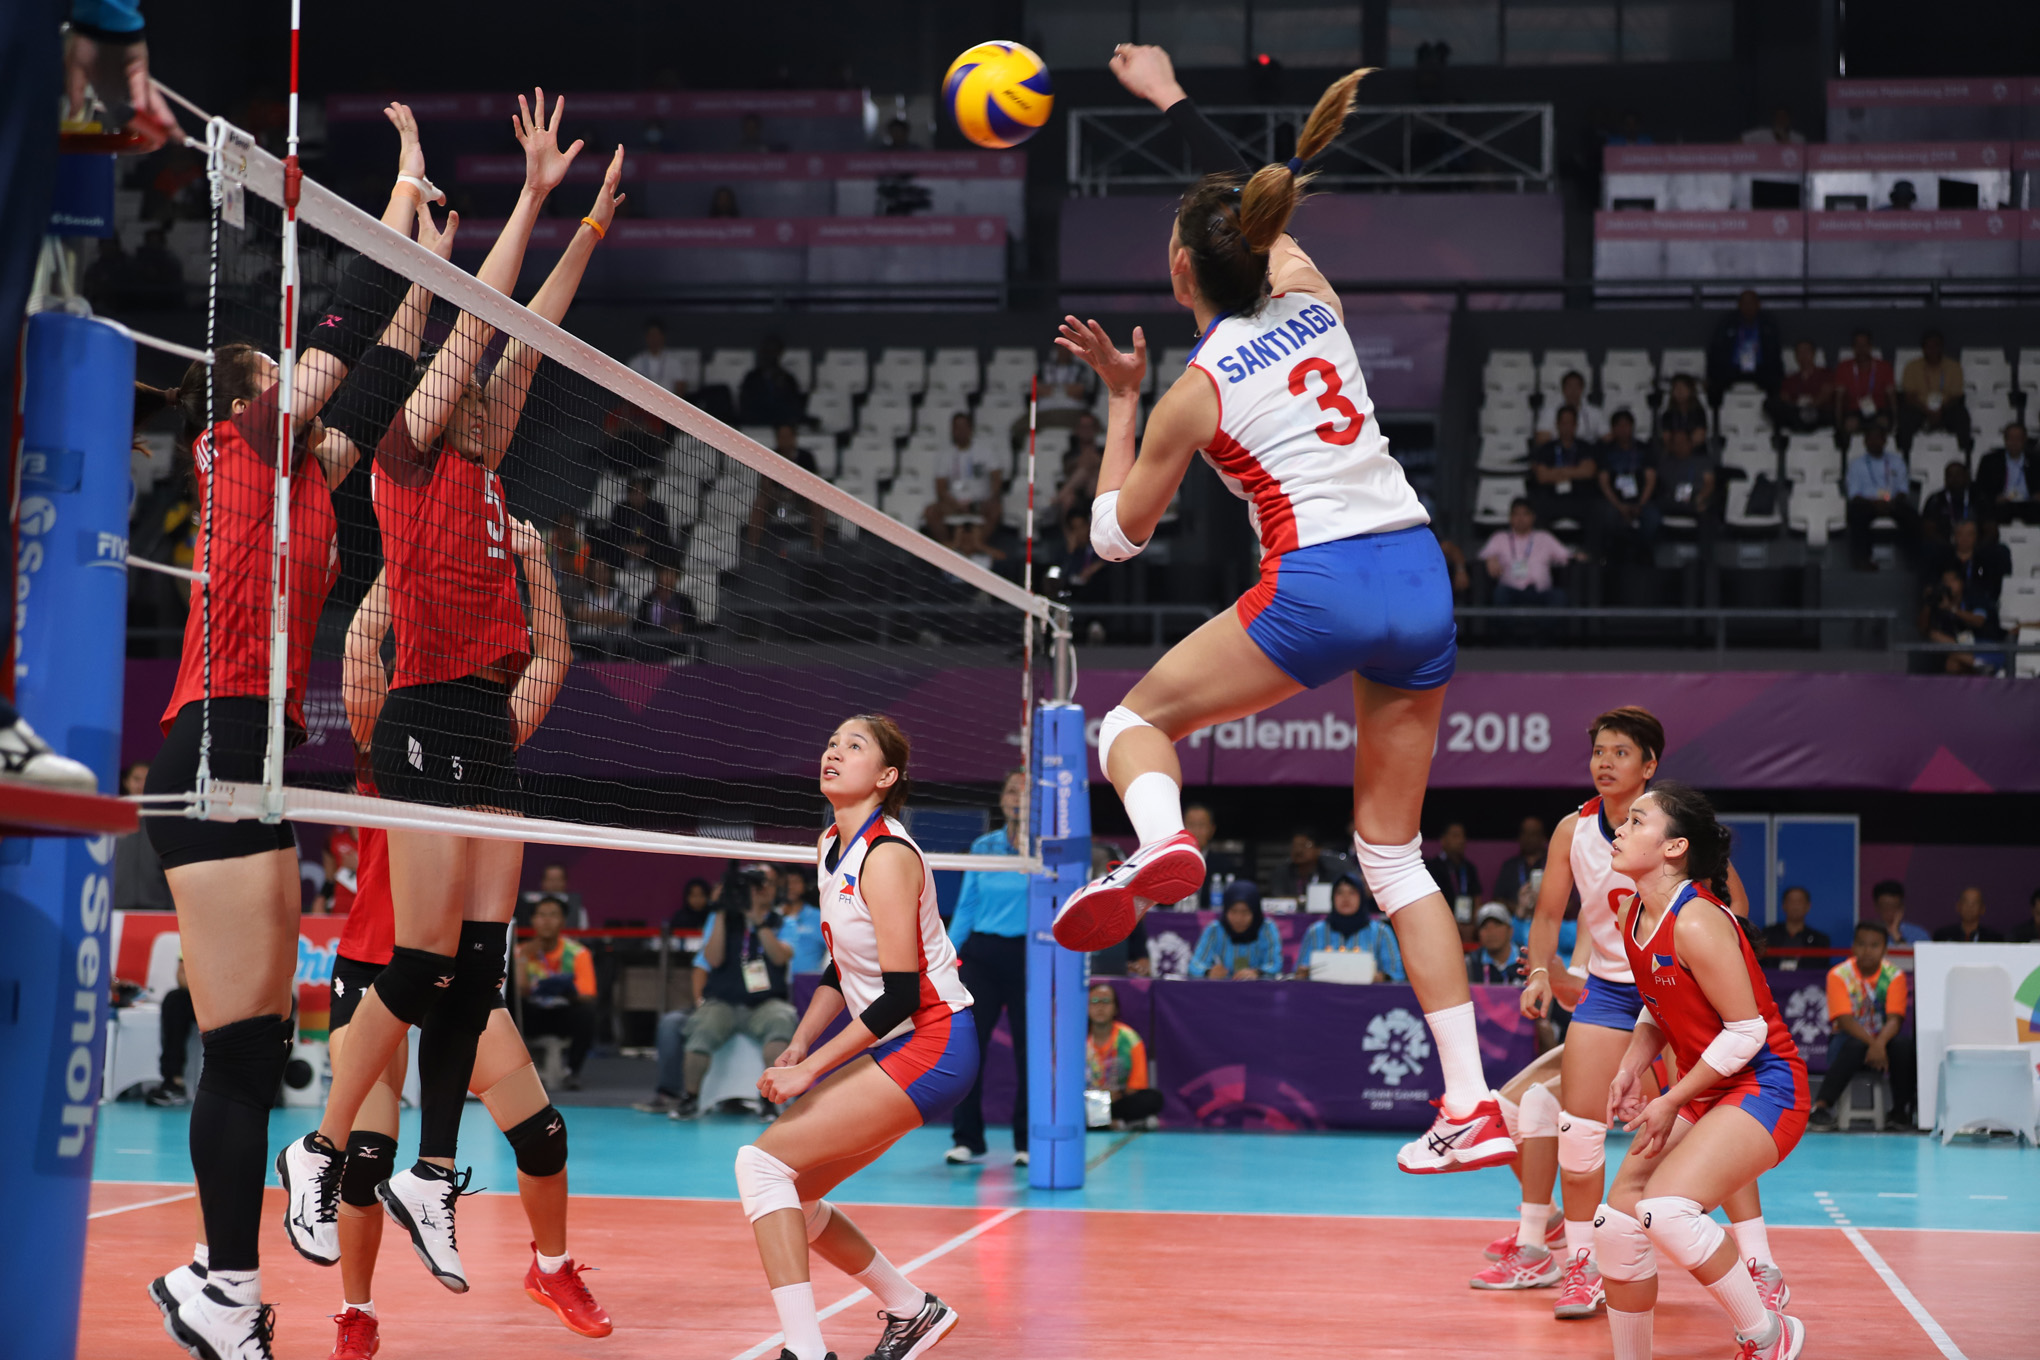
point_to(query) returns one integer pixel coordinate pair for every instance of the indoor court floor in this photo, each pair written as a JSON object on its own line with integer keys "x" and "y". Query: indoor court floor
{"x": 1195, "y": 1244}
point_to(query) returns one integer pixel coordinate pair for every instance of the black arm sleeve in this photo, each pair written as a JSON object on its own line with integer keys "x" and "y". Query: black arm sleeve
{"x": 884, "y": 1015}
{"x": 360, "y": 310}
{"x": 1210, "y": 152}
{"x": 375, "y": 391}
{"x": 832, "y": 979}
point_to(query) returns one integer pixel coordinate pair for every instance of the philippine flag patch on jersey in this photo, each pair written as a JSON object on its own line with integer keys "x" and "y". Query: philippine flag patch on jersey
{"x": 849, "y": 888}
{"x": 1662, "y": 962}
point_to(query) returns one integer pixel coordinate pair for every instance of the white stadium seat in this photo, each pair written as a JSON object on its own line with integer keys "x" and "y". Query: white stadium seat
{"x": 843, "y": 370}
{"x": 900, "y": 370}
{"x": 1491, "y": 500}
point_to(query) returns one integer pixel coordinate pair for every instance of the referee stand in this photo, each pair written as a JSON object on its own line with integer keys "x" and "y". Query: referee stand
{"x": 1059, "y": 817}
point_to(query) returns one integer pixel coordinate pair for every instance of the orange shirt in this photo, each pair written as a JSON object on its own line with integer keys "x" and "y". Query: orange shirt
{"x": 1869, "y": 999}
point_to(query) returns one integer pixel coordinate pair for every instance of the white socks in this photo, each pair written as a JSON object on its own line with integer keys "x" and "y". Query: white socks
{"x": 1752, "y": 1240}
{"x": 1737, "y": 1294}
{"x": 1578, "y": 1237}
{"x": 243, "y": 1288}
{"x": 1154, "y": 804}
{"x": 1631, "y": 1333}
{"x": 796, "y": 1305}
{"x": 368, "y": 1308}
{"x": 1530, "y": 1227}
{"x": 1458, "y": 1056}
{"x": 893, "y": 1292}
{"x": 201, "y": 1255}
{"x": 550, "y": 1265}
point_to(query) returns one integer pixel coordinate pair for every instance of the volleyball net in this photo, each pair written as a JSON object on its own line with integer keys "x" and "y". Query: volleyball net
{"x": 700, "y": 606}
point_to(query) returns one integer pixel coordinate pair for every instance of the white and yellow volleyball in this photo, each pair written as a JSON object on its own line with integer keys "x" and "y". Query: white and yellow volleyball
{"x": 998, "y": 93}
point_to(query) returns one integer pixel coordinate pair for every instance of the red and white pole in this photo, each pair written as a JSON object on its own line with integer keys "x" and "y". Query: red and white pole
{"x": 286, "y": 435}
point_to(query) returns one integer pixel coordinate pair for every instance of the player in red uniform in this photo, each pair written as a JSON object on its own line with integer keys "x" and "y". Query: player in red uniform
{"x": 236, "y": 883}
{"x": 1740, "y": 1103}
{"x": 447, "y": 733}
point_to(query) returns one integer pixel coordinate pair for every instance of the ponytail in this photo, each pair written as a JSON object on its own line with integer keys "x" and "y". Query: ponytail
{"x": 1229, "y": 225}
{"x": 1688, "y": 814}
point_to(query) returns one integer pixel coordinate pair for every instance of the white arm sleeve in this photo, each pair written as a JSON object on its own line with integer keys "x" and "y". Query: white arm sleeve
{"x": 1107, "y": 538}
{"x": 1737, "y": 1043}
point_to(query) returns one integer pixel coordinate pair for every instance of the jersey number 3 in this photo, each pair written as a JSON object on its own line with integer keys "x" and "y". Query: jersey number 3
{"x": 1332, "y": 400}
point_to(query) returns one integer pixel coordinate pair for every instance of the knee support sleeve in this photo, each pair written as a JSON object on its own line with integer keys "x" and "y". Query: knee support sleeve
{"x": 1582, "y": 1144}
{"x": 764, "y": 1183}
{"x": 540, "y": 1143}
{"x": 1395, "y": 874}
{"x": 244, "y": 1061}
{"x": 817, "y": 1212}
{"x": 371, "y": 1159}
{"x": 1120, "y": 719}
{"x": 1622, "y": 1249}
{"x": 1680, "y": 1230}
{"x": 1540, "y": 1113}
{"x": 477, "y": 975}
{"x": 1512, "y": 1118}
{"x": 359, "y": 311}
{"x": 414, "y": 980}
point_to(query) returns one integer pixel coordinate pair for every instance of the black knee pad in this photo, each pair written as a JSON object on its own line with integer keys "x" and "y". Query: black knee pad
{"x": 413, "y": 982}
{"x": 244, "y": 1061}
{"x": 371, "y": 1159}
{"x": 478, "y": 975}
{"x": 540, "y": 1143}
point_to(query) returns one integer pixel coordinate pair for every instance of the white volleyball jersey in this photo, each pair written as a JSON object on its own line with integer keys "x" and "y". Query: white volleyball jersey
{"x": 853, "y": 941}
{"x": 1601, "y": 891}
{"x": 1297, "y": 439}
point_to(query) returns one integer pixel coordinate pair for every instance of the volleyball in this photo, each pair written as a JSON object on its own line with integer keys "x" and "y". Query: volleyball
{"x": 999, "y": 93}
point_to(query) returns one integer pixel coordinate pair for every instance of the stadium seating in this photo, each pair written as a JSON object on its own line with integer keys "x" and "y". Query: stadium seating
{"x": 844, "y": 370}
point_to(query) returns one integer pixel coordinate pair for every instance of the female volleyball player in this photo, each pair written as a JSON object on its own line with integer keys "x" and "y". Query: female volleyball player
{"x": 447, "y": 734}
{"x": 236, "y": 883}
{"x": 891, "y": 968}
{"x": 1740, "y": 1104}
{"x": 1351, "y": 581}
{"x": 1624, "y": 747}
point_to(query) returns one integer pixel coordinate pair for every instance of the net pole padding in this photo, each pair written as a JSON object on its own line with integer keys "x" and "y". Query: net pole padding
{"x": 230, "y": 801}
{"x": 1057, "y": 1019}
{"x": 349, "y": 226}
{"x": 286, "y": 420}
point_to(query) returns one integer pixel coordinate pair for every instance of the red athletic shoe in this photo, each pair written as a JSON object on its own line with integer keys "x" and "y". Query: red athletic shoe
{"x": 1481, "y": 1139}
{"x": 1520, "y": 1268}
{"x": 1791, "y": 1338}
{"x": 567, "y": 1295}
{"x": 358, "y": 1338}
{"x": 1581, "y": 1293}
{"x": 1771, "y": 1286}
{"x": 1554, "y": 1240}
{"x": 1104, "y": 911}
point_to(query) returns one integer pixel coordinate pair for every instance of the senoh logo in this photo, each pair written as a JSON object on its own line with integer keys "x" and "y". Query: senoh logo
{"x": 81, "y": 976}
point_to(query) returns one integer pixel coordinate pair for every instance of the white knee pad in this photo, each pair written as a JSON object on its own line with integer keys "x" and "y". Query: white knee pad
{"x": 817, "y": 1212}
{"x": 1540, "y": 1112}
{"x": 1582, "y": 1144}
{"x": 764, "y": 1183}
{"x": 1680, "y": 1229}
{"x": 1120, "y": 719}
{"x": 1622, "y": 1248}
{"x": 1395, "y": 874}
{"x": 1511, "y": 1117}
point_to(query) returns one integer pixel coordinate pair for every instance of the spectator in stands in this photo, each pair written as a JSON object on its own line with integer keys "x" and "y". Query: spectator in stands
{"x": 751, "y": 136}
{"x": 2008, "y": 478}
{"x": 898, "y": 135}
{"x": 972, "y": 481}
{"x": 1686, "y": 480}
{"x": 666, "y": 615}
{"x": 633, "y": 437}
{"x": 2028, "y": 931}
{"x": 1562, "y": 473}
{"x": 666, "y": 367}
{"x": 1864, "y": 389}
{"x": 745, "y": 988}
{"x": 556, "y": 981}
{"x": 1888, "y": 898}
{"x": 1953, "y": 504}
{"x": 1626, "y": 519}
{"x": 638, "y": 521}
{"x": 723, "y": 202}
{"x": 176, "y": 1023}
{"x": 552, "y": 882}
{"x": 775, "y": 504}
{"x": 1879, "y": 485}
{"x": 1805, "y": 400}
{"x": 138, "y": 881}
{"x": 1949, "y": 614}
{"x": 1065, "y": 390}
{"x": 1968, "y": 926}
{"x": 1591, "y": 426}
{"x": 1745, "y": 349}
{"x": 1069, "y": 566}
{"x": 1931, "y": 394}
{"x": 1242, "y": 943}
{"x": 1221, "y": 858}
{"x": 1866, "y": 999}
{"x": 1527, "y": 864}
{"x": 1630, "y": 131}
{"x": 568, "y": 551}
{"x": 1115, "y": 1061}
{"x": 1308, "y": 864}
{"x": 1495, "y": 962}
{"x": 155, "y": 278}
{"x": 602, "y": 607}
{"x": 1683, "y": 411}
{"x": 769, "y": 395}
{"x": 1793, "y": 932}
{"x": 1902, "y": 198}
{"x": 696, "y": 901}
{"x": 1352, "y": 927}
{"x": 1520, "y": 559}
{"x": 1454, "y": 873}
{"x": 1078, "y": 483}
{"x": 1778, "y": 132}
{"x": 803, "y": 929}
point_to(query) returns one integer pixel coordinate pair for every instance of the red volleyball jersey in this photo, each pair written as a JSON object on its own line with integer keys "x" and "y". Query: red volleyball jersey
{"x": 1687, "y": 1019}
{"x": 370, "y": 933}
{"x": 234, "y": 465}
{"x": 446, "y": 548}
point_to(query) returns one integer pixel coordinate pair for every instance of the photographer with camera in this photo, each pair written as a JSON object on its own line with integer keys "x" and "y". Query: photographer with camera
{"x": 744, "y": 983}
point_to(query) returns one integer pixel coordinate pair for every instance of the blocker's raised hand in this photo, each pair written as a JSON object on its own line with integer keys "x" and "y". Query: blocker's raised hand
{"x": 545, "y": 165}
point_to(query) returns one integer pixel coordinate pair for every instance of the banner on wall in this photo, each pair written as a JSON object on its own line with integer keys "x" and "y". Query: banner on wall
{"x": 135, "y": 950}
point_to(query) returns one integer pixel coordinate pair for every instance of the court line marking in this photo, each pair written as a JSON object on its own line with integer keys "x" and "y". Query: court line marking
{"x": 144, "y": 1204}
{"x": 936, "y": 1254}
{"x": 1935, "y": 1332}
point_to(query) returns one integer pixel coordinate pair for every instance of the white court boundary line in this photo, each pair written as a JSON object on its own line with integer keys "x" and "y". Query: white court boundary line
{"x": 1935, "y": 1332}
{"x": 144, "y": 1204}
{"x": 968, "y": 1235}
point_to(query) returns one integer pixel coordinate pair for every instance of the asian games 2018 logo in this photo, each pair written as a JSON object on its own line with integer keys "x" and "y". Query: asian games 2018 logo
{"x": 2026, "y": 1005}
{"x": 1400, "y": 1044}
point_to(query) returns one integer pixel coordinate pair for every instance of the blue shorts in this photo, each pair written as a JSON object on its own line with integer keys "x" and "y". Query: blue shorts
{"x": 1379, "y": 604}
{"x": 935, "y": 1063}
{"x": 1611, "y": 1005}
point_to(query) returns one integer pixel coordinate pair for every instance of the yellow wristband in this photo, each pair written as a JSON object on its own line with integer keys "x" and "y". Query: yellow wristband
{"x": 600, "y": 234}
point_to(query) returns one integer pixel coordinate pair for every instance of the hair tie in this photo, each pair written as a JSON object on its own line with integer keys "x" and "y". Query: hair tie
{"x": 1295, "y": 165}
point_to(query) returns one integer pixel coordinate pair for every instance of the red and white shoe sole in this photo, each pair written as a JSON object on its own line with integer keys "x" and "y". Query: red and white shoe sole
{"x": 603, "y": 1328}
{"x": 1554, "y": 1241}
{"x": 1100, "y": 916}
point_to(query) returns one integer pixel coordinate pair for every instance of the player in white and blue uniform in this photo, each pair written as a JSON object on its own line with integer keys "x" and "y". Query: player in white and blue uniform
{"x": 1352, "y": 581}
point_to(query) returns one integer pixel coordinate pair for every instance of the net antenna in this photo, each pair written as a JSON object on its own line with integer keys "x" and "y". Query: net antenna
{"x": 896, "y": 629}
